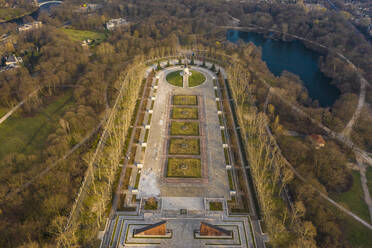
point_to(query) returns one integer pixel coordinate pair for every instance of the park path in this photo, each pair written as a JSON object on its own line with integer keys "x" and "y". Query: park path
{"x": 367, "y": 197}
{"x": 54, "y": 164}
{"x": 185, "y": 80}
{"x": 298, "y": 175}
{"x": 363, "y": 180}
{"x": 15, "y": 108}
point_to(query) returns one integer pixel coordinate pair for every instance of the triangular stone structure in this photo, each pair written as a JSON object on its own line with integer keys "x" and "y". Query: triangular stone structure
{"x": 209, "y": 230}
{"x": 157, "y": 229}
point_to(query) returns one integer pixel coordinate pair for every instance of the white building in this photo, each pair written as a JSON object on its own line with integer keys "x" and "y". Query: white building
{"x": 29, "y": 26}
{"x": 13, "y": 61}
{"x": 116, "y": 23}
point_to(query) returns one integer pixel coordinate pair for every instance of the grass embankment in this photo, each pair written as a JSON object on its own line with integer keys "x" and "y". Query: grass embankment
{"x": 196, "y": 78}
{"x": 184, "y": 128}
{"x": 29, "y": 134}
{"x": 175, "y": 78}
{"x": 81, "y": 35}
{"x": 184, "y": 167}
{"x": 184, "y": 113}
{"x": 369, "y": 179}
{"x": 7, "y": 14}
{"x": 353, "y": 199}
{"x": 179, "y": 146}
{"x": 185, "y": 100}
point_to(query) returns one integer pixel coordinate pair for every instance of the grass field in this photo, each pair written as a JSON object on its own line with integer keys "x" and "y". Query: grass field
{"x": 81, "y": 35}
{"x": 184, "y": 113}
{"x": 29, "y": 134}
{"x": 3, "y": 111}
{"x": 179, "y": 146}
{"x": 358, "y": 235}
{"x": 190, "y": 128}
{"x": 196, "y": 78}
{"x": 7, "y": 14}
{"x": 185, "y": 100}
{"x": 353, "y": 199}
{"x": 184, "y": 168}
{"x": 175, "y": 78}
{"x": 215, "y": 206}
{"x": 369, "y": 179}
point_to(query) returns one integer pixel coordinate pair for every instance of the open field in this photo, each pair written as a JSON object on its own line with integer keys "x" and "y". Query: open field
{"x": 185, "y": 100}
{"x": 196, "y": 78}
{"x": 184, "y": 167}
{"x": 175, "y": 78}
{"x": 179, "y": 146}
{"x": 184, "y": 113}
{"x": 184, "y": 128}
{"x": 353, "y": 199}
{"x": 81, "y": 35}
{"x": 356, "y": 234}
{"x": 29, "y": 134}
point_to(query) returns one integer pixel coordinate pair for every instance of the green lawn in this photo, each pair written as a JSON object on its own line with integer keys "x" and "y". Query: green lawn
{"x": 229, "y": 177}
{"x": 353, "y": 199}
{"x": 3, "y": 111}
{"x": 29, "y": 134}
{"x": 190, "y": 128}
{"x": 184, "y": 113}
{"x": 81, "y": 35}
{"x": 175, "y": 78}
{"x": 7, "y": 14}
{"x": 185, "y": 100}
{"x": 128, "y": 174}
{"x": 196, "y": 78}
{"x": 215, "y": 206}
{"x": 151, "y": 204}
{"x": 356, "y": 234}
{"x": 180, "y": 146}
{"x": 184, "y": 167}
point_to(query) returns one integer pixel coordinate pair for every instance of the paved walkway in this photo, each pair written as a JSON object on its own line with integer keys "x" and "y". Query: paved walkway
{"x": 366, "y": 193}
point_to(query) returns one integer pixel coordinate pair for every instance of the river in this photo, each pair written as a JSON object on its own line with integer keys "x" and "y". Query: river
{"x": 35, "y": 14}
{"x": 293, "y": 57}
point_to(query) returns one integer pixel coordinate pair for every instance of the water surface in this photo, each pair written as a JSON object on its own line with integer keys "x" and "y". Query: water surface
{"x": 293, "y": 57}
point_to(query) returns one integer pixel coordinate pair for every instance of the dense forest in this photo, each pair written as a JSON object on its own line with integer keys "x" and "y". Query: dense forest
{"x": 31, "y": 215}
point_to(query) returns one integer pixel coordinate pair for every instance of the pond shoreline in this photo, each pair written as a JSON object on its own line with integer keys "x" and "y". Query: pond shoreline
{"x": 295, "y": 57}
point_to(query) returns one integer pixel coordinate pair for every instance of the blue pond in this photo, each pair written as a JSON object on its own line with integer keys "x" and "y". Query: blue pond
{"x": 293, "y": 57}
